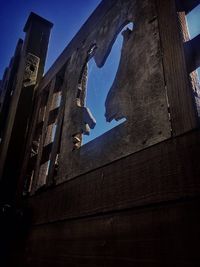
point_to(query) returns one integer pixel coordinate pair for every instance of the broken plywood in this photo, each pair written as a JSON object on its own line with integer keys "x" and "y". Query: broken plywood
{"x": 138, "y": 92}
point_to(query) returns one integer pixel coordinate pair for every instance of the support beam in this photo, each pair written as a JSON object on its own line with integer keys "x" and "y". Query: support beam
{"x": 183, "y": 113}
{"x": 6, "y": 96}
{"x": 30, "y": 72}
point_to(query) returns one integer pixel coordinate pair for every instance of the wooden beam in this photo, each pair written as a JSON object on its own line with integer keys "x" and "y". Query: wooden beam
{"x": 181, "y": 101}
{"x": 56, "y": 143}
{"x": 166, "y": 171}
{"x": 38, "y": 181}
{"x": 27, "y": 154}
{"x": 8, "y": 92}
{"x": 35, "y": 46}
{"x": 163, "y": 235}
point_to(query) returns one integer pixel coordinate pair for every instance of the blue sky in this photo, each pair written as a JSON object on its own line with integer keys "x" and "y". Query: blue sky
{"x": 68, "y": 16}
{"x": 194, "y": 21}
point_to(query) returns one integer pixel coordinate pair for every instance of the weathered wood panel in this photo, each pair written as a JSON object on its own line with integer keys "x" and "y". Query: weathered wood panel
{"x": 141, "y": 92}
{"x": 166, "y": 171}
{"x": 138, "y": 92}
{"x": 133, "y": 195}
{"x": 164, "y": 235}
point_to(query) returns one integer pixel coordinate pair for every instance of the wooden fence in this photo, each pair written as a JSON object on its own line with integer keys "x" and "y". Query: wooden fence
{"x": 131, "y": 196}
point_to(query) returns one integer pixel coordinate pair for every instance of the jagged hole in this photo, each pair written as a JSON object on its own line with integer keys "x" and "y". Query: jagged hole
{"x": 99, "y": 82}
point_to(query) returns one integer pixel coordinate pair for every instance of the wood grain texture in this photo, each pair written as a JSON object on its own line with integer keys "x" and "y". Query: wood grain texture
{"x": 181, "y": 102}
{"x": 166, "y": 171}
{"x": 138, "y": 91}
{"x": 27, "y": 154}
{"x": 140, "y": 208}
{"x": 165, "y": 235}
{"x": 6, "y": 93}
{"x": 11, "y": 117}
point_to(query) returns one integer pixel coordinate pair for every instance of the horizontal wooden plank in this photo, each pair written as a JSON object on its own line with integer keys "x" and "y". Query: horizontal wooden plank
{"x": 166, "y": 171}
{"x": 166, "y": 235}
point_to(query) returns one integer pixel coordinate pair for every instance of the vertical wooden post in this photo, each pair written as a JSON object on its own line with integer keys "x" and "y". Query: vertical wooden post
{"x": 181, "y": 100}
{"x": 41, "y": 180}
{"x": 7, "y": 90}
{"x": 29, "y": 74}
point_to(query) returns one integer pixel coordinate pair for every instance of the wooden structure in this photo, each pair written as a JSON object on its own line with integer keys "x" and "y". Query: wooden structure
{"x": 131, "y": 196}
